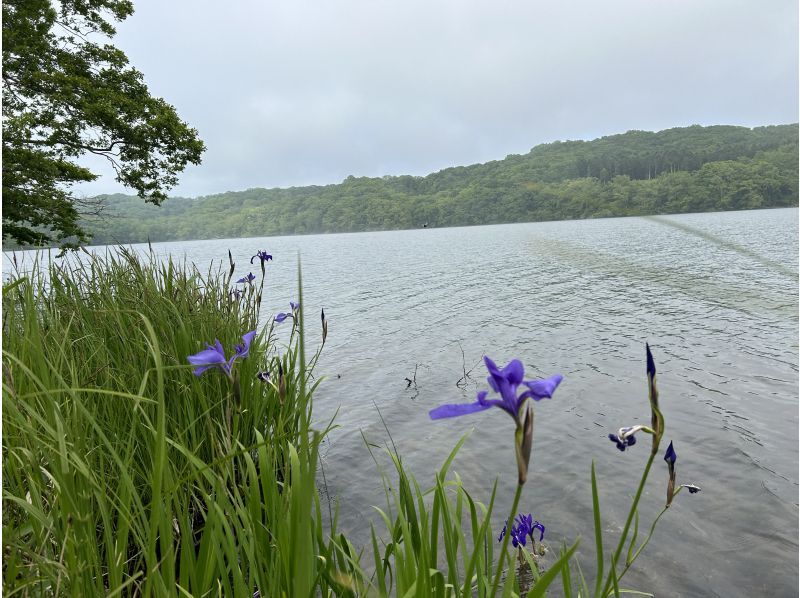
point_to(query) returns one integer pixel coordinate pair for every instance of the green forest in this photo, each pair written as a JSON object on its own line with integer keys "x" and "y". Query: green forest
{"x": 690, "y": 169}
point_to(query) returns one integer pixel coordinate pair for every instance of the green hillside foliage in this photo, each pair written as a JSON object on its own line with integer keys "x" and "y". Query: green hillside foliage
{"x": 692, "y": 169}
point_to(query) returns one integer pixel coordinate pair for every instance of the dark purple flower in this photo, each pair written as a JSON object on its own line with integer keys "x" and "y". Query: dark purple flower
{"x": 505, "y": 382}
{"x": 670, "y": 457}
{"x": 540, "y": 527}
{"x": 214, "y": 355}
{"x": 281, "y": 316}
{"x": 625, "y": 437}
{"x": 262, "y": 255}
{"x": 651, "y": 364}
{"x": 517, "y": 536}
{"x": 263, "y": 376}
{"x": 249, "y": 278}
{"x": 691, "y": 488}
{"x": 236, "y": 293}
{"x": 522, "y": 529}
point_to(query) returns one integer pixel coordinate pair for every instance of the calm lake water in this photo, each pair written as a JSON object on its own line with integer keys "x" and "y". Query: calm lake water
{"x": 715, "y": 295}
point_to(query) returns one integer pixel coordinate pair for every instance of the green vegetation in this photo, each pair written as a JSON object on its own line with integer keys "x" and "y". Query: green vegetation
{"x": 693, "y": 169}
{"x": 126, "y": 475}
{"x": 67, "y": 93}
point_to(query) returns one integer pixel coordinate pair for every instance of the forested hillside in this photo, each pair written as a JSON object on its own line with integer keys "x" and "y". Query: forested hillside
{"x": 692, "y": 169}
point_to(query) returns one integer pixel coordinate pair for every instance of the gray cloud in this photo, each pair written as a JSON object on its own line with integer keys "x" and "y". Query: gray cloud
{"x": 296, "y": 93}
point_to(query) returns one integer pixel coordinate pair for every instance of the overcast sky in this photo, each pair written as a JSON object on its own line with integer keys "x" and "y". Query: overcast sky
{"x": 295, "y": 92}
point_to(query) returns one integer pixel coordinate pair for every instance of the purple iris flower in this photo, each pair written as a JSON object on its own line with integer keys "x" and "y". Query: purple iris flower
{"x": 691, "y": 488}
{"x": 670, "y": 456}
{"x": 262, "y": 255}
{"x": 249, "y": 278}
{"x": 236, "y": 293}
{"x": 280, "y": 317}
{"x": 522, "y": 529}
{"x": 263, "y": 376}
{"x": 625, "y": 437}
{"x": 213, "y": 356}
{"x": 505, "y": 382}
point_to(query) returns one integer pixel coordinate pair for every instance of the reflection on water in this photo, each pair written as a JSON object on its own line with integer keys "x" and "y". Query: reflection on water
{"x": 579, "y": 298}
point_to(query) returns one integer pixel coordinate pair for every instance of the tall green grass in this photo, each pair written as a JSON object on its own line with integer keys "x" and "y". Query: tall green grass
{"x": 123, "y": 473}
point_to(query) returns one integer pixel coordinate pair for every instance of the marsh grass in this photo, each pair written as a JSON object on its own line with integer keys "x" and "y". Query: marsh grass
{"x": 123, "y": 473}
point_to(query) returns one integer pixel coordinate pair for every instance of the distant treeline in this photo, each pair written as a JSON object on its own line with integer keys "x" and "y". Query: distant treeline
{"x": 692, "y": 169}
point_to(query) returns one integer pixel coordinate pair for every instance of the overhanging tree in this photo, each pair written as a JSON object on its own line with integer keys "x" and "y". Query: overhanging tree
{"x": 67, "y": 93}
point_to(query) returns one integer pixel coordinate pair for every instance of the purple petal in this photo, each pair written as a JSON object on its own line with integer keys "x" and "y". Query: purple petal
{"x": 538, "y": 526}
{"x": 444, "y": 411}
{"x": 651, "y": 364}
{"x": 199, "y": 370}
{"x": 208, "y": 356}
{"x": 243, "y": 349}
{"x": 494, "y": 373}
{"x": 281, "y": 317}
{"x": 670, "y": 457}
{"x": 489, "y": 402}
{"x": 514, "y": 372}
{"x": 542, "y": 389}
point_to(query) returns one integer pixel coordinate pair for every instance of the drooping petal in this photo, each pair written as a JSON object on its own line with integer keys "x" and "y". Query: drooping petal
{"x": 208, "y": 356}
{"x": 542, "y": 389}
{"x": 503, "y": 532}
{"x": 211, "y": 356}
{"x": 280, "y": 317}
{"x": 540, "y": 527}
{"x": 620, "y": 443}
{"x": 489, "y": 402}
{"x": 444, "y": 411}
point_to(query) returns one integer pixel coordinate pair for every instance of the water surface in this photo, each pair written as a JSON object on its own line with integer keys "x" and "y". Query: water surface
{"x": 716, "y": 297}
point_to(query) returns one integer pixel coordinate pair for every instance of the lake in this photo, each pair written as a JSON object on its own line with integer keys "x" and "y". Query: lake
{"x": 715, "y": 295}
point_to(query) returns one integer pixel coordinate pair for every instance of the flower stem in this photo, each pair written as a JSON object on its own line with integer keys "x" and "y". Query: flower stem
{"x": 643, "y": 544}
{"x": 509, "y": 523}
{"x": 631, "y": 514}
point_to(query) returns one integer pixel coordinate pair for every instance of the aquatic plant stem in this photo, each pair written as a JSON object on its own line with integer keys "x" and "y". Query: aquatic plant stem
{"x": 643, "y": 544}
{"x": 509, "y": 522}
{"x": 631, "y": 514}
